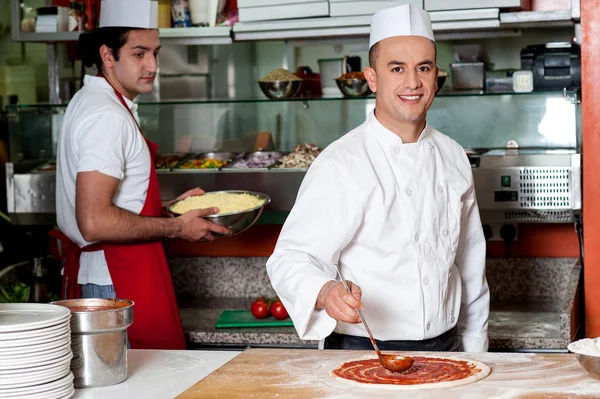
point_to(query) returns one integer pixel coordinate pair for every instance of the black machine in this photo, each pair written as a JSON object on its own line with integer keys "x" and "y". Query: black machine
{"x": 555, "y": 66}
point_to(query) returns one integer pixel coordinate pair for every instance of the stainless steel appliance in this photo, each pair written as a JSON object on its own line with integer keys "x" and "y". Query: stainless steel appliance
{"x": 528, "y": 186}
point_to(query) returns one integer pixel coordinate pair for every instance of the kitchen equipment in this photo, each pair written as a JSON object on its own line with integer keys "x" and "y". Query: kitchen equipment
{"x": 393, "y": 363}
{"x": 468, "y": 75}
{"x": 590, "y": 363}
{"x": 237, "y": 222}
{"x": 244, "y": 319}
{"x": 280, "y": 89}
{"x": 330, "y": 69}
{"x": 35, "y": 350}
{"x": 528, "y": 186}
{"x": 354, "y": 87}
{"x": 311, "y": 82}
{"x": 588, "y": 355}
{"x": 99, "y": 340}
{"x": 555, "y": 66}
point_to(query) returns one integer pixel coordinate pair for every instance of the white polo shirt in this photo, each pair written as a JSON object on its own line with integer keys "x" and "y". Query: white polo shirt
{"x": 98, "y": 134}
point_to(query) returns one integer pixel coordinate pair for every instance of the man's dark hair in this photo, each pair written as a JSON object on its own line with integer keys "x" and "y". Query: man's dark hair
{"x": 374, "y": 54}
{"x": 90, "y": 42}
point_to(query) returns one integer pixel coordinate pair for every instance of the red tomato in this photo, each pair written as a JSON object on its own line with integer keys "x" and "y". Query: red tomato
{"x": 278, "y": 311}
{"x": 260, "y": 308}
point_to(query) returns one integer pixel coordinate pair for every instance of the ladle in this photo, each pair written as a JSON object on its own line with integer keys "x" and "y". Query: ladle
{"x": 393, "y": 363}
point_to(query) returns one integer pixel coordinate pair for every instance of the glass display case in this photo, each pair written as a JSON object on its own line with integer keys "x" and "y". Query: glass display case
{"x": 232, "y": 131}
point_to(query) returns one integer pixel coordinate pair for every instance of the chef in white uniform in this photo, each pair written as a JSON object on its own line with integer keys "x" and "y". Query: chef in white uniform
{"x": 393, "y": 204}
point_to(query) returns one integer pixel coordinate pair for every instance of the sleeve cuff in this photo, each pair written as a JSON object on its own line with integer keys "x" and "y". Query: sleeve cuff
{"x": 310, "y": 323}
{"x": 112, "y": 172}
{"x": 469, "y": 343}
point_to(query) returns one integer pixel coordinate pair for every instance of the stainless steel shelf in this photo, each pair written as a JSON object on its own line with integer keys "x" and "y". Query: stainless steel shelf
{"x": 184, "y": 36}
{"x": 197, "y": 36}
{"x": 472, "y": 21}
{"x": 530, "y": 19}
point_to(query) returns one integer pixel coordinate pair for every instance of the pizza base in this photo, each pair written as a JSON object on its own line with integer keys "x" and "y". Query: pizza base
{"x": 485, "y": 371}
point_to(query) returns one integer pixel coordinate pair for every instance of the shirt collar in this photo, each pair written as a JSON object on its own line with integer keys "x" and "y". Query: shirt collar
{"x": 388, "y": 138}
{"x": 100, "y": 83}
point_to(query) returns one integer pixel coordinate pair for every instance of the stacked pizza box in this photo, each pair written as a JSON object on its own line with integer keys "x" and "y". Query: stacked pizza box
{"x": 346, "y": 8}
{"x": 268, "y": 10}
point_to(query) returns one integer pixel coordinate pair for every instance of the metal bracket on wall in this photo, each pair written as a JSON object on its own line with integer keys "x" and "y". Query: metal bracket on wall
{"x": 574, "y": 99}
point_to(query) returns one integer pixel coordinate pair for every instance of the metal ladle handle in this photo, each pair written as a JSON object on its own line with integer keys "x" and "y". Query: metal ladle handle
{"x": 362, "y": 318}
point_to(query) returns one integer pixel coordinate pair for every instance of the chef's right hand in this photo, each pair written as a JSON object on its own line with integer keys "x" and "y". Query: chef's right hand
{"x": 195, "y": 228}
{"x": 340, "y": 304}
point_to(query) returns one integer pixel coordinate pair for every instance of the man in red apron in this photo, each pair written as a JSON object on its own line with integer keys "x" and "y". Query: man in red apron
{"x": 108, "y": 200}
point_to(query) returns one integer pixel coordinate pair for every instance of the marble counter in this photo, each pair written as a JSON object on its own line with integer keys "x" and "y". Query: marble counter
{"x": 531, "y": 307}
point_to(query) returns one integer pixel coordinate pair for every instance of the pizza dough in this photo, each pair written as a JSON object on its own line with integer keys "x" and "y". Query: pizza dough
{"x": 427, "y": 372}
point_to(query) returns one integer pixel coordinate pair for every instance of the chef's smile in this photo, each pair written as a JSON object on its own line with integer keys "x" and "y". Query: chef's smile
{"x": 410, "y": 99}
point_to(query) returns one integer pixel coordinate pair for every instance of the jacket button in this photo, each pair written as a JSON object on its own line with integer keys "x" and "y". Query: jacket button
{"x": 445, "y": 232}
{"x": 440, "y": 189}
{"x": 428, "y": 326}
{"x": 416, "y": 237}
{"x": 452, "y": 319}
{"x": 425, "y": 281}
{"x": 396, "y": 150}
{"x": 408, "y": 192}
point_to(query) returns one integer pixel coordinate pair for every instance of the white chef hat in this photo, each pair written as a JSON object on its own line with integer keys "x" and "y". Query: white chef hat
{"x": 405, "y": 20}
{"x": 141, "y": 14}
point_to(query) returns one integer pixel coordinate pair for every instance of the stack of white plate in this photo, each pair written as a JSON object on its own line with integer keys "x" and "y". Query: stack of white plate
{"x": 35, "y": 351}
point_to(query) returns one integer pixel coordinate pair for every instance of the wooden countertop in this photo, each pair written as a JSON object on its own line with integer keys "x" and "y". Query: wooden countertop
{"x": 304, "y": 374}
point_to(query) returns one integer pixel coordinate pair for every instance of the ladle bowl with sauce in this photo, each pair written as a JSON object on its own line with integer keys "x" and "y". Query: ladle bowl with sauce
{"x": 393, "y": 363}
{"x": 99, "y": 340}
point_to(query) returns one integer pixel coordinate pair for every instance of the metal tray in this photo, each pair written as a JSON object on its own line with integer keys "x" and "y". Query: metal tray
{"x": 249, "y": 157}
{"x": 179, "y": 158}
{"x": 220, "y": 156}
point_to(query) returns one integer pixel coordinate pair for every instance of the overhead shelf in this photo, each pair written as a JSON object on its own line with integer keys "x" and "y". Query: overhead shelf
{"x": 461, "y": 21}
{"x": 186, "y": 36}
{"x": 530, "y": 19}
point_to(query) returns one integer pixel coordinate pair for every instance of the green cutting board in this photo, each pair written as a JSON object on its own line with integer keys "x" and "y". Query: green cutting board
{"x": 243, "y": 318}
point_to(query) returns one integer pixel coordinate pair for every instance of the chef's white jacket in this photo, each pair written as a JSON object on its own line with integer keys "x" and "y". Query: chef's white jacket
{"x": 402, "y": 222}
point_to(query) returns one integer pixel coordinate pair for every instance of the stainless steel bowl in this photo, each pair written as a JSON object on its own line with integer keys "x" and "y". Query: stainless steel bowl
{"x": 590, "y": 363}
{"x": 99, "y": 340}
{"x": 237, "y": 222}
{"x": 354, "y": 87}
{"x": 280, "y": 89}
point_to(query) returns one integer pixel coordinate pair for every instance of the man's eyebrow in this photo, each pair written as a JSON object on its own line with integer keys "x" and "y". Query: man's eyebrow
{"x": 400, "y": 63}
{"x": 140, "y": 47}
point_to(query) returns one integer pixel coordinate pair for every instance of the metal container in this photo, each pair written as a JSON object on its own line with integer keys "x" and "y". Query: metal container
{"x": 590, "y": 363}
{"x": 354, "y": 87}
{"x": 280, "y": 88}
{"x": 468, "y": 75}
{"x": 237, "y": 222}
{"x": 99, "y": 340}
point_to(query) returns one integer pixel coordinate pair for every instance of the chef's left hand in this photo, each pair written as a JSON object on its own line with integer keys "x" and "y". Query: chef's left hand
{"x": 189, "y": 193}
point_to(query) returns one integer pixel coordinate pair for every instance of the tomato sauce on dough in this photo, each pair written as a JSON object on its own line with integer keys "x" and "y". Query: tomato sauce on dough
{"x": 425, "y": 370}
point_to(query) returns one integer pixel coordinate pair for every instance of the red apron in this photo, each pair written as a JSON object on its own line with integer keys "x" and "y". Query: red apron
{"x": 139, "y": 272}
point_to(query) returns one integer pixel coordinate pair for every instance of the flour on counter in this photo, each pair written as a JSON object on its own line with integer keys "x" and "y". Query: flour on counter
{"x": 587, "y": 346}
